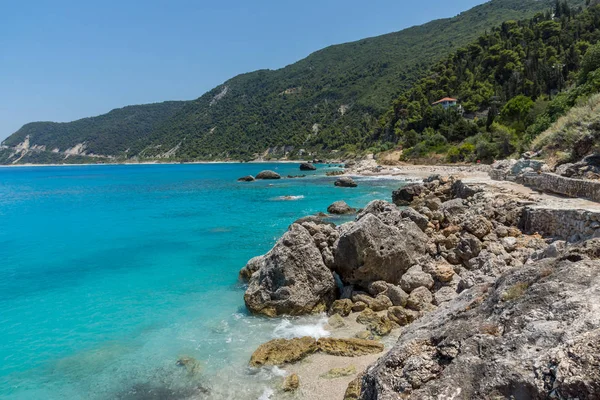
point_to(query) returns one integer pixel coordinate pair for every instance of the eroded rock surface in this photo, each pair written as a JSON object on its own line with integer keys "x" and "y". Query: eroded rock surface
{"x": 292, "y": 278}
{"x": 533, "y": 334}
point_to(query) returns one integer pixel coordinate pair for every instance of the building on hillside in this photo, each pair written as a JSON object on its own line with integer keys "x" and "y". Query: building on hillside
{"x": 446, "y": 102}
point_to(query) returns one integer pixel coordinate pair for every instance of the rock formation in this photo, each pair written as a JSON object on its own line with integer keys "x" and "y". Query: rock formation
{"x": 533, "y": 334}
{"x": 292, "y": 278}
{"x": 345, "y": 181}
{"x": 248, "y": 178}
{"x": 307, "y": 167}
{"x": 340, "y": 208}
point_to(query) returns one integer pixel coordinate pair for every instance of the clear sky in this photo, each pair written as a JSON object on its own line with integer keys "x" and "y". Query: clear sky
{"x": 62, "y": 60}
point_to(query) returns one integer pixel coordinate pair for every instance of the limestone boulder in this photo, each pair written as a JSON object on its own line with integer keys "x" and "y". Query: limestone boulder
{"x": 415, "y": 278}
{"x": 371, "y": 250}
{"x": 345, "y": 181}
{"x": 419, "y": 299}
{"x": 416, "y": 217}
{"x": 340, "y": 208}
{"x": 307, "y": 167}
{"x": 342, "y": 307}
{"x": 402, "y": 316}
{"x": 292, "y": 279}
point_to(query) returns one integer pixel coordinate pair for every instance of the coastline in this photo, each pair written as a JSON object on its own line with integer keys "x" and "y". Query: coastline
{"x": 154, "y": 163}
{"x": 480, "y": 225}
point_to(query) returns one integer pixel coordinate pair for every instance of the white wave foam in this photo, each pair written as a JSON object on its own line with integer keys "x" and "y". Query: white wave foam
{"x": 288, "y": 198}
{"x": 287, "y": 330}
{"x": 266, "y": 395}
{"x": 278, "y": 371}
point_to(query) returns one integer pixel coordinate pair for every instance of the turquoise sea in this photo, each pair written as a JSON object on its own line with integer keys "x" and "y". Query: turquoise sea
{"x": 110, "y": 274}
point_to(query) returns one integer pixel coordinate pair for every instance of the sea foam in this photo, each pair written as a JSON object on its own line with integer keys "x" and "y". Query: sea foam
{"x": 287, "y": 330}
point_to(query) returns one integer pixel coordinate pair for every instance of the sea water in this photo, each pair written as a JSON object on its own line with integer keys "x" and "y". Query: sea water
{"x": 111, "y": 274}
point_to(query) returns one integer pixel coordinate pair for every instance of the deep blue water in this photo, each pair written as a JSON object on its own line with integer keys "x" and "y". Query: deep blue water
{"x": 109, "y": 274}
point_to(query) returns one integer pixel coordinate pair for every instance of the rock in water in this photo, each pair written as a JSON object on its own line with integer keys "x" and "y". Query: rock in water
{"x": 371, "y": 250}
{"x": 293, "y": 278}
{"x": 248, "y": 178}
{"x": 345, "y": 181}
{"x": 283, "y": 351}
{"x": 291, "y": 383}
{"x": 268, "y": 175}
{"x": 340, "y": 208}
{"x": 307, "y": 167}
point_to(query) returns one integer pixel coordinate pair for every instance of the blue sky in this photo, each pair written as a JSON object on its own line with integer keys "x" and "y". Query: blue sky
{"x": 64, "y": 60}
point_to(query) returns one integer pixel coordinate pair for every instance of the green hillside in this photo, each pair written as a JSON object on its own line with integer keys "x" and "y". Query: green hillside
{"x": 330, "y": 100}
{"x": 120, "y": 130}
{"x": 511, "y": 84}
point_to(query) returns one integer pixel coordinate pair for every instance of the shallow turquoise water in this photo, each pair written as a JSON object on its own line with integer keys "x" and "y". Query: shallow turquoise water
{"x": 109, "y": 274}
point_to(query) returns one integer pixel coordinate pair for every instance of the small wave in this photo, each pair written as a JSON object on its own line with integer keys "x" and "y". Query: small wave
{"x": 287, "y": 198}
{"x": 287, "y": 330}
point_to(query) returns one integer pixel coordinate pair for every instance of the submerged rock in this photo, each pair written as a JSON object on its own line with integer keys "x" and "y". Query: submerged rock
{"x": 248, "y": 178}
{"x": 292, "y": 279}
{"x": 283, "y": 351}
{"x": 345, "y": 181}
{"x": 340, "y": 208}
{"x": 405, "y": 195}
{"x": 342, "y": 307}
{"x": 268, "y": 175}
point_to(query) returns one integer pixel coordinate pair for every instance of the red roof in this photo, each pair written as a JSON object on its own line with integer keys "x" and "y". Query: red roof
{"x": 445, "y": 99}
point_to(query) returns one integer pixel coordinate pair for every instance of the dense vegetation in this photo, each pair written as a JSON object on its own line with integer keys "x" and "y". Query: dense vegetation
{"x": 330, "y": 100}
{"x": 512, "y": 84}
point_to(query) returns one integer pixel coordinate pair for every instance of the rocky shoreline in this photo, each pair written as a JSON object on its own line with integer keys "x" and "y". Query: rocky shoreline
{"x": 480, "y": 309}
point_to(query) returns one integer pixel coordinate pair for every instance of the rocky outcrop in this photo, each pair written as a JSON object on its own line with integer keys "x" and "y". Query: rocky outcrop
{"x": 345, "y": 181}
{"x": 534, "y": 333}
{"x": 307, "y": 167}
{"x": 247, "y": 178}
{"x": 268, "y": 175}
{"x": 292, "y": 278}
{"x": 340, "y": 208}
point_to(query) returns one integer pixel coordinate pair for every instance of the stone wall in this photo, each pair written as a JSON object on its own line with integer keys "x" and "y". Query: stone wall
{"x": 553, "y": 183}
{"x": 571, "y": 225}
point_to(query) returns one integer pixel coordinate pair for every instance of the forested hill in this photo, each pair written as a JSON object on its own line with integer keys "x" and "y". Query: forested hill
{"x": 511, "y": 83}
{"x": 330, "y": 100}
{"x": 122, "y": 130}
